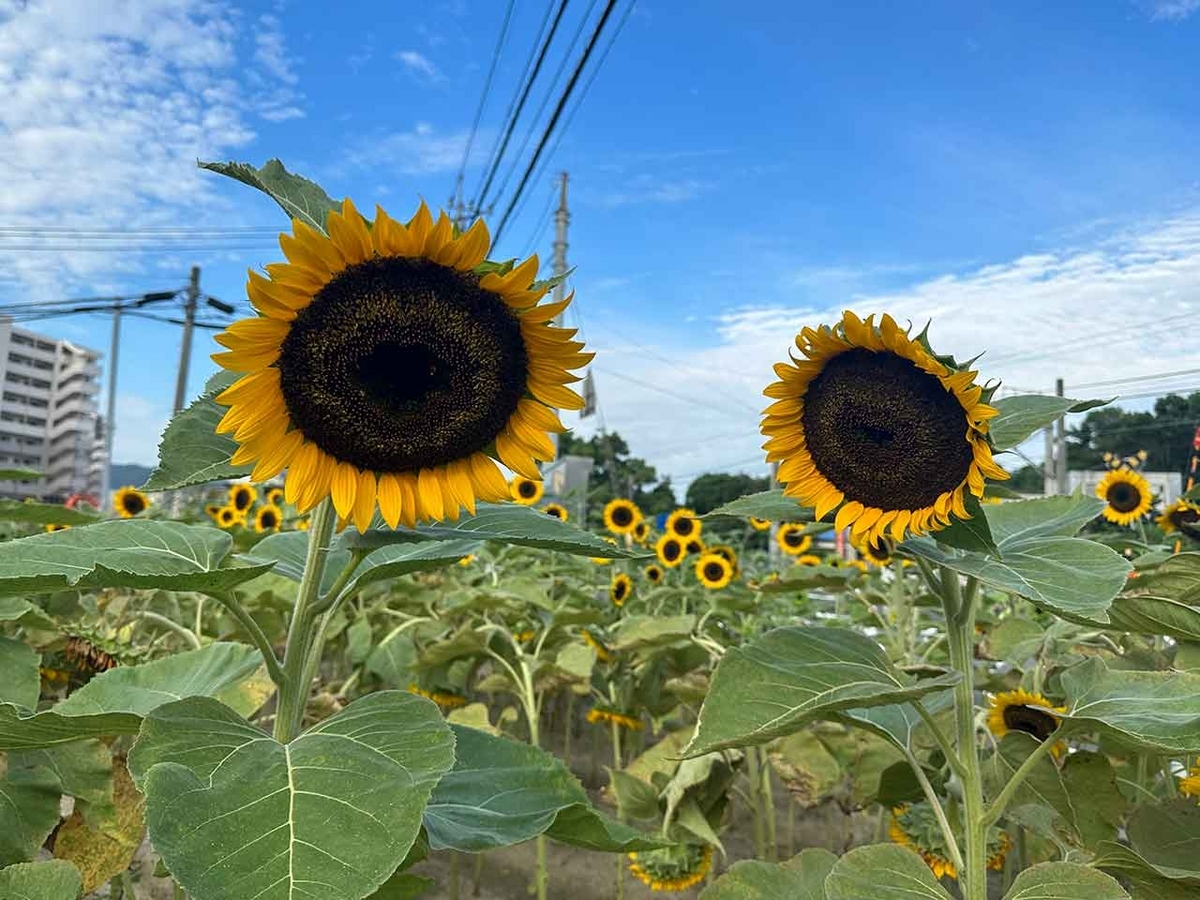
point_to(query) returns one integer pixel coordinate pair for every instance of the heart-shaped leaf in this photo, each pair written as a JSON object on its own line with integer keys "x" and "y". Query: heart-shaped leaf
{"x": 882, "y": 872}
{"x": 800, "y": 878}
{"x": 1145, "y": 880}
{"x": 190, "y": 451}
{"x": 50, "y": 880}
{"x": 1064, "y": 881}
{"x": 332, "y": 814}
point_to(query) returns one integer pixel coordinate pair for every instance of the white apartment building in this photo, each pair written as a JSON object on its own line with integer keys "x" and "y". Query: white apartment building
{"x": 49, "y": 416}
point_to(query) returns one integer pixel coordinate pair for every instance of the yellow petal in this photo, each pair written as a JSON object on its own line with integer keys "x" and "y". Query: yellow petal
{"x": 408, "y": 499}
{"x": 847, "y": 514}
{"x": 516, "y": 457}
{"x": 349, "y": 233}
{"x": 429, "y": 492}
{"x": 300, "y": 472}
{"x": 364, "y": 501}
{"x": 389, "y": 492}
{"x": 486, "y": 474}
{"x": 343, "y": 487}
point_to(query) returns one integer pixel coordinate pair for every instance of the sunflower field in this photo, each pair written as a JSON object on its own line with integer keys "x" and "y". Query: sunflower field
{"x": 345, "y": 643}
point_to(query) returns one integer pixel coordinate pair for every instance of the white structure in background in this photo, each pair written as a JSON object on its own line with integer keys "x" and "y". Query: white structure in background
{"x": 566, "y": 481}
{"x": 1167, "y": 485}
{"x": 49, "y": 417}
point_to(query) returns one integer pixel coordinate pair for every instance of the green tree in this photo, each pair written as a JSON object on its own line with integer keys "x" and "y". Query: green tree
{"x": 713, "y": 489}
{"x": 1027, "y": 480}
{"x": 1165, "y": 434}
{"x": 617, "y": 474}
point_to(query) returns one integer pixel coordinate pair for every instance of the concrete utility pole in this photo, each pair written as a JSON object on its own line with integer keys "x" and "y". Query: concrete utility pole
{"x": 1055, "y": 477}
{"x": 185, "y": 350}
{"x": 562, "y": 218}
{"x": 110, "y": 415}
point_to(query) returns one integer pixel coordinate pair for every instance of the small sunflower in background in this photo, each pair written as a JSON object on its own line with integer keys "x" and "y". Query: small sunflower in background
{"x": 1189, "y": 785}
{"x": 621, "y": 516}
{"x": 683, "y": 523}
{"x": 227, "y": 517}
{"x": 873, "y": 424}
{"x": 653, "y": 573}
{"x": 760, "y": 524}
{"x": 268, "y": 518}
{"x": 672, "y": 869}
{"x": 129, "y": 502}
{"x": 808, "y": 559}
{"x": 275, "y": 496}
{"x": 526, "y": 491}
{"x": 714, "y": 571}
{"x": 877, "y": 552}
{"x": 53, "y": 528}
{"x": 387, "y": 370}
{"x": 602, "y": 652}
{"x": 212, "y": 510}
{"x": 669, "y": 550}
{"x": 242, "y": 496}
{"x": 557, "y": 510}
{"x": 599, "y": 714}
{"x": 692, "y": 546}
{"x": 641, "y": 531}
{"x": 620, "y": 589}
{"x": 725, "y": 552}
{"x": 604, "y": 560}
{"x": 1128, "y": 495}
{"x": 445, "y": 700}
{"x": 1013, "y": 711}
{"x": 791, "y": 538}
{"x": 304, "y": 524}
{"x": 1178, "y": 516}
{"x": 466, "y": 560}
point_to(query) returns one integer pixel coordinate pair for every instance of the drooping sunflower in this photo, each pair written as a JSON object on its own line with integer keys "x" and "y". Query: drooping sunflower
{"x": 387, "y": 369}
{"x": 714, "y": 571}
{"x": 641, "y": 531}
{"x": 1189, "y": 785}
{"x": 653, "y": 573}
{"x": 445, "y": 700}
{"x": 129, "y": 502}
{"x": 683, "y": 523}
{"x": 669, "y": 550}
{"x": 242, "y": 496}
{"x": 915, "y": 826}
{"x": 759, "y": 524}
{"x": 1128, "y": 495}
{"x": 227, "y": 517}
{"x": 526, "y": 491}
{"x": 791, "y": 538}
{"x": 621, "y": 516}
{"x": 1013, "y": 711}
{"x": 693, "y": 546}
{"x": 872, "y": 422}
{"x": 620, "y": 589}
{"x": 672, "y": 869}
{"x": 268, "y": 518}
{"x": 557, "y": 510}
{"x": 275, "y": 496}
{"x": 876, "y": 552}
{"x": 52, "y": 528}
{"x": 1178, "y": 515}
{"x": 598, "y": 714}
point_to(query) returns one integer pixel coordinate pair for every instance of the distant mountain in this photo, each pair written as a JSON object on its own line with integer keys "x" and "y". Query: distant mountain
{"x": 122, "y": 474}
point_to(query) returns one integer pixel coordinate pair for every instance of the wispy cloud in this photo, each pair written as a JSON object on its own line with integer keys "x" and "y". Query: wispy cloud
{"x": 647, "y": 189}
{"x": 423, "y": 150}
{"x": 1173, "y": 10}
{"x": 419, "y": 64}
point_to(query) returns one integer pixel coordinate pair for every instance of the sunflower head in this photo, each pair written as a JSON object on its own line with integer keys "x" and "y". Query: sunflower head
{"x": 1179, "y": 515}
{"x": 1014, "y": 711}
{"x": 227, "y": 517}
{"x": 557, "y": 510}
{"x": 714, "y": 571}
{"x": 672, "y": 869}
{"x": 268, "y": 518}
{"x": 212, "y": 509}
{"x": 792, "y": 539}
{"x": 669, "y": 550}
{"x": 129, "y": 502}
{"x": 604, "y": 560}
{"x": 51, "y": 528}
{"x": 621, "y": 516}
{"x": 760, "y": 524}
{"x": 620, "y": 589}
{"x": 693, "y": 546}
{"x": 390, "y": 368}
{"x": 526, "y": 491}
{"x": 877, "y": 552}
{"x": 808, "y": 559}
{"x": 872, "y": 423}
{"x": 683, "y": 523}
{"x": 653, "y": 573}
{"x": 725, "y": 552}
{"x": 1128, "y": 495}
{"x": 915, "y": 826}
{"x": 641, "y": 531}
{"x": 275, "y": 496}
{"x": 242, "y": 496}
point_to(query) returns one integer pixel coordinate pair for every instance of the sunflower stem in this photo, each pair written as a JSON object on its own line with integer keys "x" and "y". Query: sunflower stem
{"x": 943, "y": 741}
{"x": 996, "y": 809}
{"x": 261, "y": 641}
{"x": 293, "y": 693}
{"x": 182, "y": 631}
{"x": 616, "y": 748}
{"x": 939, "y": 812}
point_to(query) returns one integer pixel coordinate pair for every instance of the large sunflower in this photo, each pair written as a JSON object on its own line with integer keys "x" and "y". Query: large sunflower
{"x": 129, "y": 502}
{"x": 872, "y": 422}
{"x": 386, "y": 369}
{"x": 1128, "y": 495}
{"x": 670, "y": 550}
{"x": 526, "y": 491}
{"x": 1178, "y": 515}
{"x": 714, "y": 571}
{"x": 1013, "y": 711}
{"x": 683, "y": 523}
{"x": 792, "y": 540}
{"x": 621, "y": 516}
{"x": 620, "y": 589}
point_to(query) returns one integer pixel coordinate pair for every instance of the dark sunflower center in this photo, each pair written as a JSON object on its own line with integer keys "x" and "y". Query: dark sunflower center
{"x": 401, "y": 364}
{"x": 653, "y": 574}
{"x": 527, "y": 489}
{"x": 1123, "y": 497}
{"x": 671, "y": 550}
{"x": 554, "y": 511}
{"x": 269, "y": 519}
{"x": 793, "y": 538}
{"x": 241, "y": 499}
{"x": 884, "y": 432}
{"x": 134, "y": 504}
{"x": 622, "y": 516}
{"x": 1031, "y": 721}
{"x": 1182, "y": 517}
{"x": 684, "y": 527}
{"x": 620, "y": 590}
{"x": 226, "y": 516}
{"x": 694, "y": 546}
{"x": 713, "y": 571}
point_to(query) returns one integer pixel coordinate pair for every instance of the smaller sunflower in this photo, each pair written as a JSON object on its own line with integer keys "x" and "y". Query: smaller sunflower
{"x": 653, "y": 573}
{"x": 268, "y": 518}
{"x": 227, "y": 517}
{"x": 304, "y": 524}
{"x": 242, "y": 496}
{"x": 877, "y": 552}
{"x": 596, "y": 644}
{"x": 726, "y": 552}
{"x": 1178, "y": 515}
{"x": 522, "y": 636}
{"x": 445, "y": 701}
{"x": 760, "y": 524}
{"x": 808, "y": 559}
{"x": 620, "y": 589}
{"x": 212, "y": 510}
{"x": 915, "y": 827}
{"x": 1128, "y": 495}
{"x": 693, "y": 546}
{"x": 641, "y": 531}
{"x": 792, "y": 540}
{"x": 673, "y": 869}
{"x": 713, "y": 571}
{"x": 557, "y": 510}
{"x": 1013, "y": 711}
{"x": 669, "y": 550}
{"x": 683, "y": 523}
{"x": 621, "y": 516}
{"x": 275, "y": 496}
{"x": 129, "y": 502}
{"x": 598, "y": 714}
{"x": 57, "y": 527}
{"x": 526, "y": 491}
{"x": 603, "y": 560}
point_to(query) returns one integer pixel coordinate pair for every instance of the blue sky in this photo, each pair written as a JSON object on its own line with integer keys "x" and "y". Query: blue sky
{"x": 1023, "y": 173}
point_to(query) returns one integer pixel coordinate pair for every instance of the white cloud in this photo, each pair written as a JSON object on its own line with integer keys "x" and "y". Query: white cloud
{"x": 423, "y": 150}
{"x": 140, "y": 423}
{"x": 646, "y": 189}
{"x": 420, "y": 64}
{"x": 1173, "y": 10}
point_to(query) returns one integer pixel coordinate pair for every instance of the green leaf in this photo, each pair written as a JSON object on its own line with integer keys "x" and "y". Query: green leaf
{"x": 1064, "y": 881}
{"x": 44, "y": 514}
{"x": 805, "y": 765}
{"x": 800, "y": 878}
{"x": 332, "y": 814}
{"x": 898, "y": 723}
{"x": 191, "y": 451}
{"x": 1015, "y": 640}
{"x": 636, "y": 631}
{"x": 29, "y": 811}
{"x": 14, "y": 609}
{"x": 358, "y": 641}
{"x": 393, "y": 660}
{"x": 105, "y": 850}
{"x": 790, "y": 676}
{"x": 85, "y": 772}
{"x": 505, "y": 523}
{"x": 1168, "y": 837}
{"x": 130, "y": 553}
{"x": 1177, "y": 578}
{"x": 1155, "y": 615}
{"x": 115, "y": 701}
{"x": 882, "y": 872}
{"x": 1154, "y": 710}
{"x": 403, "y": 886}
{"x": 501, "y": 792}
{"x": 1021, "y": 416}
{"x": 297, "y": 196}
{"x": 20, "y": 475}
{"x": 1061, "y": 516}
{"x": 20, "y": 681}
{"x": 50, "y": 880}
{"x": 1187, "y": 657}
{"x": 971, "y": 533}
{"x": 1143, "y": 878}
{"x": 771, "y": 505}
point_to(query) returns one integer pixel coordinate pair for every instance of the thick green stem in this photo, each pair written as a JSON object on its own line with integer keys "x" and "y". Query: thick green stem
{"x": 768, "y": 804}
{"x": 942, "y": 740}
{"x": 293, "y": 692}
{"x": 235, "y": 609}
{"x": 616, "y": 748}
{"x": 477, "y": 877}
{"x": 189, "y": 636}
{"x": 754, "y": 795}
{"x": 996, "y": 809}
{"x": 533, "y": 715}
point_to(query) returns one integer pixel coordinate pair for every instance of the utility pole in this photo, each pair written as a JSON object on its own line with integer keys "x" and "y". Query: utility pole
{"x": 110, "y": 416}
{"x": 185, "y": 351}
{"x": 1060, "y": 456}
{"x": 562, "y": 218}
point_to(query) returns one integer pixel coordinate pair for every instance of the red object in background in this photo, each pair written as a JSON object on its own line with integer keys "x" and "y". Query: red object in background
{"x": 1196, "y": 440}
{"x": 839, "y": 542}
{"x": 92, "y": 500}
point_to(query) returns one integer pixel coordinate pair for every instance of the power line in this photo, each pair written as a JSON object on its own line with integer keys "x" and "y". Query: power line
{"x": 557, "y": 114}
{"x": 152, "y": 231}
{"x": 1128, "y": 332}
{"x": 1092, "y": 384}
{"x": 132, "y": 248}
{"x": 651, "y": 386}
